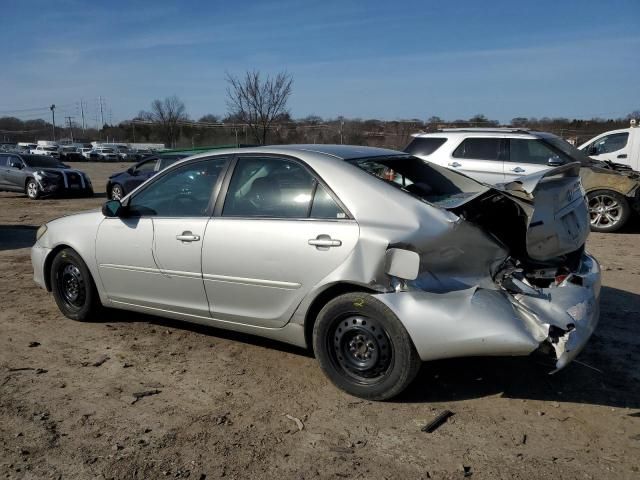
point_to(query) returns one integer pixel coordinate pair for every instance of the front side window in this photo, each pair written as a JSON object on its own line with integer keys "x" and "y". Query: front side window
{"x": 13, "y": 162}
{"x": 184, "y": 192}
{"x": 610, "y": 143}
{"x": 480, "y": 149}
{"x": 522, "y": 150}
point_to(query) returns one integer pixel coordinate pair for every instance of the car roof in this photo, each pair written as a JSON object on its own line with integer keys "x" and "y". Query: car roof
{"x": 338, "y": 152}
{"x": 482, "y": 132}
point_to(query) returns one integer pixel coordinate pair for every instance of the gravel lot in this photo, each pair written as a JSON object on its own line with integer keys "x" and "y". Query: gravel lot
{"x": 217, "y": 404}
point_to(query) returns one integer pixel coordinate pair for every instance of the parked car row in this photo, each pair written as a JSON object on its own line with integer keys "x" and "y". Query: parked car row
{"x": 74, "y": 153}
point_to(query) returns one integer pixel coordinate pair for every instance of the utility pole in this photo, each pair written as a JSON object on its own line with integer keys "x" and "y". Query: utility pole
{"x": 70, "y": 126}
{"x": 82, "y": 112}
{"x": 53, "y": 119}
{"x": 101, "y": 113}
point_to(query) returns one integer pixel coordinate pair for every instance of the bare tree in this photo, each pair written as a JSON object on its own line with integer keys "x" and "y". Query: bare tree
{"x": 258, "y": 102}
{"x": 167, "y": 113}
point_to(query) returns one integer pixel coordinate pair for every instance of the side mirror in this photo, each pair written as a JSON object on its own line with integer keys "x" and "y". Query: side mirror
{"x": 592, "y": 151}
{"x": 555, "y": 161}
{"x": 131, "y": 171}
{"x": 112, "y": 208}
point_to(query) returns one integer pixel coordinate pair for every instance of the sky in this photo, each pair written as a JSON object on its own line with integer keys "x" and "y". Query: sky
{"x": 359, "y": 59}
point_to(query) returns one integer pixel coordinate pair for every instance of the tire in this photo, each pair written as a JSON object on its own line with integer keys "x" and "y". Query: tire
{"x": 73, "y": 287}
{"x": 115, "y": 188}
{"x": 608, "y": 210}
{"x": 32, "y": 189}
{"x": 363, "y": 348}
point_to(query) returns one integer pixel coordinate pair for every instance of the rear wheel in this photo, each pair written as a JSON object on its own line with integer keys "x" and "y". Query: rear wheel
{"x": 32, "y": 189}
{"x": 117, "y": 192}
{"x": 608, "y": 210}
{"x": 73, "y": 287}
{"x": 363, "y": 347}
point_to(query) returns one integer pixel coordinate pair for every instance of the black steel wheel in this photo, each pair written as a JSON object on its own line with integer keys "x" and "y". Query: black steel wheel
{"x": 72, "y": 285}
{"x": 363, "y": 348}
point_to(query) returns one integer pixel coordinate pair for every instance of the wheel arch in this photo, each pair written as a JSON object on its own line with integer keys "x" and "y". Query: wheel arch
{"x": 322, "y": 299}
{"x": 49, "y": 261}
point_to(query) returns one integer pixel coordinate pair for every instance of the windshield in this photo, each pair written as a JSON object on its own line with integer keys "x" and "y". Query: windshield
{"x": 426, "y": 181}
{"x": 107, "y": 150}
{"x": 50, "y": 149}
{"x": 41, "y": 161}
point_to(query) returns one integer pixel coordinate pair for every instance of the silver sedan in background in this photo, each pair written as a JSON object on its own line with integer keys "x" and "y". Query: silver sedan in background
{"x": 371, "y": 257}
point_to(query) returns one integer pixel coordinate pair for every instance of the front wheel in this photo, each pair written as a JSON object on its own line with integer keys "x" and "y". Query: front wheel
{"x": 32, "y": 189}
{"x": 363, "y": 348}
{"x": 73, "y": 287}
{"x": 608, "y": 210}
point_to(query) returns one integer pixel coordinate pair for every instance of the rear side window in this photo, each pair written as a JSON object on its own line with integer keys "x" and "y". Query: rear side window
{"x": 424, "y": 145}
{"x": 324, "y": 206}
{"x": 480, "y": 149}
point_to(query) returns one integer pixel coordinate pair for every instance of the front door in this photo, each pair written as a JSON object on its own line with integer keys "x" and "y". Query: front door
{"x": 279, "y": 233}
{"x": 152, "y": 257}
{"x": 529, "y": 155}
{"x": 14, "y": 176}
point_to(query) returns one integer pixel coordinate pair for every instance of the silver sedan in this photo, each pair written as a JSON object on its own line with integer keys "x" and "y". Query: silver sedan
{"x": 373, "y": 258}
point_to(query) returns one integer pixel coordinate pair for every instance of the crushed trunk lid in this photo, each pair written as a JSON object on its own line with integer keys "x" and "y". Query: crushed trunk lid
{"x": 558, "y": 216}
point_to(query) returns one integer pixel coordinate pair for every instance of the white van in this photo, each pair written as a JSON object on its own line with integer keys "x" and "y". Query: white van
{"x": 619, "y": 146}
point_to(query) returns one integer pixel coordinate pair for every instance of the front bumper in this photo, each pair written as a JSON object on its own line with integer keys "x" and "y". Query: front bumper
{"x": 38, "y": 257}
{"x": 482, "y": 322}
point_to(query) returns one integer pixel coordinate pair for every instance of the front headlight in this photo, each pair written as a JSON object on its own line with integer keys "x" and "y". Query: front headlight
{"x": 42, "y": 174}
{"x": 41, "y": 231}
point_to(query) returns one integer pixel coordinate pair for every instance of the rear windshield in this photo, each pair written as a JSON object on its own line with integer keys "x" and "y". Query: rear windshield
{"x": 41, "y": 161}
{"x": 426, "y": 181}
{"x": 424, "y": 145}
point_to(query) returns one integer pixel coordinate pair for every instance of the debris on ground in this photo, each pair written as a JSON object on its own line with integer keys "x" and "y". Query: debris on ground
{"x": 100, "y": 360}
{"x": 434, "y": 424}
{"x": 299, "y": 423}
{"x": 34, "y": 344}
{"x": 145, "y": 393}
{"x": 466, "y": 471}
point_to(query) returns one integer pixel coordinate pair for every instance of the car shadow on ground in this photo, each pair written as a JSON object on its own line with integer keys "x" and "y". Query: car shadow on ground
{"x": 605, "y": 373}
{"x": 13, "y": 237}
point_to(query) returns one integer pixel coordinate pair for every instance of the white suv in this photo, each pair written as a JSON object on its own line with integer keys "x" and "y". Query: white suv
{"x": 499, "y": 155}
{"x": 491, "y": 155}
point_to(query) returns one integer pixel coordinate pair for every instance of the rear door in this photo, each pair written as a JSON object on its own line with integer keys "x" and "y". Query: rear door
{"x": 4, "y": 170}
{"x": 481, "y": 158}
{"x": 279, "y": 232}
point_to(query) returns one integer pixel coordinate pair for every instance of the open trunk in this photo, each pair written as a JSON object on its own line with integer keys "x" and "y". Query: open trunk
{"x": 542, "y": 218}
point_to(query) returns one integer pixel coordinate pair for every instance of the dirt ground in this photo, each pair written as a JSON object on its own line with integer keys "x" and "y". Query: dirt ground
{"x": 218, "y": 401}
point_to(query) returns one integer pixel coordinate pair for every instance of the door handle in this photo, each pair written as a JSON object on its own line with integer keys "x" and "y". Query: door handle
{"x": 622, "y": 155}
{"x": 454, "y": 164}
{"x": 323, "y": 242}
{"x": 188, "y": 237}
{"x": 518, "y": 170}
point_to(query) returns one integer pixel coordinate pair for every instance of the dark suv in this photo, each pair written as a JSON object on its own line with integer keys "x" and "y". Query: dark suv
{"x": 122, "y": 183}
{"x": 41, "y": 175}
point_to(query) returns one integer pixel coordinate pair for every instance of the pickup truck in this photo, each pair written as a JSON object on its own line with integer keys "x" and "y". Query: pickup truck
{"x": 46, "y": 150}
{"x": 617, "y": 146}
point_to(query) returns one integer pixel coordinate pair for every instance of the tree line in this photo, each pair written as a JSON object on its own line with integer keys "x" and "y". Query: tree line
{"x": 258, "y": 114}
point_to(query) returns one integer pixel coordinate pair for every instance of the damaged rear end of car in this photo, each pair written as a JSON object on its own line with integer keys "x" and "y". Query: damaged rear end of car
{"x": 486, "y": 271}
